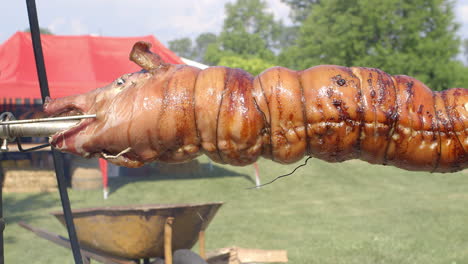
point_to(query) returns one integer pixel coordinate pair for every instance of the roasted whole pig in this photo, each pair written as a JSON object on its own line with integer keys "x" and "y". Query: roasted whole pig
{"x": 173, "y": 113}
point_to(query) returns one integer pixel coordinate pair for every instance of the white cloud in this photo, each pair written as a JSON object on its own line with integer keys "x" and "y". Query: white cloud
{"x": 56, "y": 23}
{"x": 461, "y": 16}
{"x": 191, "y": 19}
{"x": 78, "y": 27}
{"x": 280, "y": 10}
{"x": 72, "y": 26}
{"x": 462, "y": 13}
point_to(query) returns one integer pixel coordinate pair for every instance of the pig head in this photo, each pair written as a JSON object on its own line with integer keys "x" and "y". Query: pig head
{"x": 133, "y": 113}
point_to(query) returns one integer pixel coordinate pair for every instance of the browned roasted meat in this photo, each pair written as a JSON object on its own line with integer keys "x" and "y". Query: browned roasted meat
{"x": 172, "y": 113}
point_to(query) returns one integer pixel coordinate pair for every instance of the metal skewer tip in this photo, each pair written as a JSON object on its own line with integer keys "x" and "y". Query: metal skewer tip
{"x": 49, "y": 119}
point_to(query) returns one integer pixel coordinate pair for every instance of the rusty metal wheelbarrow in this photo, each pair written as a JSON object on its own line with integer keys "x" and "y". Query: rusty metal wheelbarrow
{"x": 122, "y": 235}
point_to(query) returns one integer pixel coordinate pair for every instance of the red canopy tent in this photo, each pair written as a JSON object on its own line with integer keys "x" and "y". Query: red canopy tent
{"x": 74, "y": 65}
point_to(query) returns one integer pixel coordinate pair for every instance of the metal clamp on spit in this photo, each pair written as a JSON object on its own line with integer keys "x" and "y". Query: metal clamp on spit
{"x": 11, "y": 130}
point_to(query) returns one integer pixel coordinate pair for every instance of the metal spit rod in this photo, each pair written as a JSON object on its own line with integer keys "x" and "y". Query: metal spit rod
{"x": 48, "y": 119}
{"x": 41, "y": 127}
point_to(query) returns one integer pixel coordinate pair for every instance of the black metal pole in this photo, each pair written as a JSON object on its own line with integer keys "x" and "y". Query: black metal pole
{"x": 2, "y": 222}
{"x": 58, "y": 159}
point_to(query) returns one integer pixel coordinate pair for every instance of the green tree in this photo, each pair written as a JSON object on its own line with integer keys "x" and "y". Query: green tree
{"x": 253, "y": 65}
{"x": 287, "y": 37}
{"x": 248, "y": 31}
{"x": 182, "y": 47}
{"x": 195, "y": 51}
{"x": 203, "y": 41}
{"x": 300, "y": 9}
{"x": 412, "y": 37}
{"x": 465, "y": 49}
{"x": 44, "y": 31}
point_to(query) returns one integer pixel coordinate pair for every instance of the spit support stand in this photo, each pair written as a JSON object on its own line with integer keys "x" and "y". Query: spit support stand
{"x": 13, "y": 130}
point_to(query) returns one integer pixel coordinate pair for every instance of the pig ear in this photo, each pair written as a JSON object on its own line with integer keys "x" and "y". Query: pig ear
{"x": 142, "y": 56}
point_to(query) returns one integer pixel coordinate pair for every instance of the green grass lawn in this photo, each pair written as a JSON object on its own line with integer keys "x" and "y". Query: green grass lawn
{"x": 325, "y": 213}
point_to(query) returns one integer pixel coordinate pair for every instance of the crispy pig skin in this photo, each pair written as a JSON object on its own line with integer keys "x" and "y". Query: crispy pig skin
{"x": 173, "y": 113}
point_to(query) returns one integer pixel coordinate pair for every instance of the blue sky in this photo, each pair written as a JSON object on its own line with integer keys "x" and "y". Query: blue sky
{"x": 166, "y": 20}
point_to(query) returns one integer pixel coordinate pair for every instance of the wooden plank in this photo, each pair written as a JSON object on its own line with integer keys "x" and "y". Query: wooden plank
{"x": 248, "y": 255}
{"x": 235, "y": 255}
{"x": 86, "y": 253}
